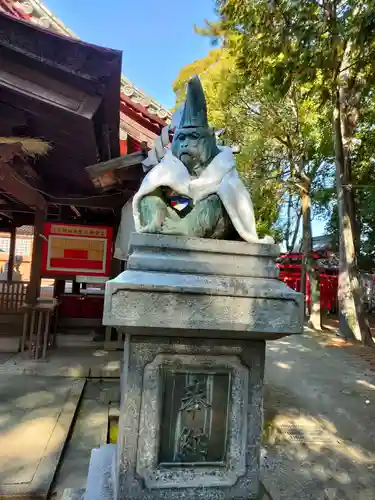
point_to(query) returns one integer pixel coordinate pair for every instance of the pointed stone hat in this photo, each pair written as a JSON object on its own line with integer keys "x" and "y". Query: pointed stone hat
{"x": 194, "y": 113}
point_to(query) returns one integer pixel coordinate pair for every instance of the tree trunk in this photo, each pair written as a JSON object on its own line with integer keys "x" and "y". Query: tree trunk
{"x": 353, "y": 324}
{"x": 296, "y": 231}
{"x": 315, "y": 320}
{"x": 303, "y": 284}
{"x": 352, "y": 205}
{"x": 288, "y": 223}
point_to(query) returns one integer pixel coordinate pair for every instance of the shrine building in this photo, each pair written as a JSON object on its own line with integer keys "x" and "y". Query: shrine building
{"x": 64, "y": 107}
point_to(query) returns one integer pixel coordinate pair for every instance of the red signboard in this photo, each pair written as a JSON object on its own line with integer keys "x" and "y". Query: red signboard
{"x": 72, "y": 250}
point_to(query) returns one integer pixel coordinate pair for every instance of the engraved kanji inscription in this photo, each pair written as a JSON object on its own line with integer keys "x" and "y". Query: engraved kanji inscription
{"x": 195, "y": 413}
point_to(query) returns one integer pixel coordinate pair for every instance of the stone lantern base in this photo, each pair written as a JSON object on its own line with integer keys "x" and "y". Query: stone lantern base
{"x": 196, "y": 314}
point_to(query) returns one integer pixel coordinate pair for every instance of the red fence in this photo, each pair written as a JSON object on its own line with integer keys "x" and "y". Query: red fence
{"x": 291, "y": 275}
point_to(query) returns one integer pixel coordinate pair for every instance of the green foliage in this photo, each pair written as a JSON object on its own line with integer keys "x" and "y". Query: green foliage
{"x": 224, "y": 95}
{"x": 283, "y": 138}
{"x": 289, "y": 42}
{"x": 325, "y": 48}
{"x": 270, "y": 82}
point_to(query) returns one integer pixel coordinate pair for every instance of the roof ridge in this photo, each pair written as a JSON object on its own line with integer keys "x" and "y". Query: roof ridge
{"x": 42, "y": 16}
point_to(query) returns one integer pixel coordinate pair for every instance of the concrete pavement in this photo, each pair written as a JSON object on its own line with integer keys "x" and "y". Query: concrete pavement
{"x": 36, "y": 414}
{"x": 319, "y": 432}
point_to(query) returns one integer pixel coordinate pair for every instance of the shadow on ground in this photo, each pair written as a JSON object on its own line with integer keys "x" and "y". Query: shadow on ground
{"x": 37, "y": 416}
{"x": 319, "y": 434}
{"x": 319, "y": 437}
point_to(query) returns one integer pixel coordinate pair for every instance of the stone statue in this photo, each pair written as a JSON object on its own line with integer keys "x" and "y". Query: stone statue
{"x": 196, "y": 315}
{"x": 195, "y": 190}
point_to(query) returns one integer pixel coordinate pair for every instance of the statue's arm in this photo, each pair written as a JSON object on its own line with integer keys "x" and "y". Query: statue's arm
{"x": 153, "y": 211}
{"x": 207, "y": 219}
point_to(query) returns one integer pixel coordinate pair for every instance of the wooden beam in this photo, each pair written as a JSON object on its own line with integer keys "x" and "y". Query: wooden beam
{"x": 69, "y": 56}
{"x": 126, "y": 161}
{"x": 106, "y": 175}
{"x": 97, "y": 201}
{"x": 19, "y": 219}
{"x": 130, "y": 174}
{"x": 15, "y": 208}
{"x": 33, "y": 290}
{"x": 14, "y": 184}
{"x": 12, "y": 251}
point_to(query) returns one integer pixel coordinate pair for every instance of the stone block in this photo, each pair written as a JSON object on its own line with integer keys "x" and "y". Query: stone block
{"x": 166, "y": 291}
{"x": 196, "y": 314}
{"x": 37, "y": 417}
{"x": 100, "y": 479}
{"x": 179, "y": 254}
{"x": 164, "y": 452}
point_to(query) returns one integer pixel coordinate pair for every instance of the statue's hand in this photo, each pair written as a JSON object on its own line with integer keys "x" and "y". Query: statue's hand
{"x": 154, "y": 226}
{"x": 174, "y": 226}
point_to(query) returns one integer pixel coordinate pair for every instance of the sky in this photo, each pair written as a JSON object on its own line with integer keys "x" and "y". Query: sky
{"x": 156, "y": 36}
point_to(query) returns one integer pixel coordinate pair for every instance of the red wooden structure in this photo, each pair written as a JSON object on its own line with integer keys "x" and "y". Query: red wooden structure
{"x": 141, "y": 117}
{"x": 290, "y": 266}
{"x": 71, "y": 95}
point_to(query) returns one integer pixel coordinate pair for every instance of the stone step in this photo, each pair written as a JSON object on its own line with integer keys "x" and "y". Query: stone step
{"x": 90, "y": 431}
{"x": 9, "y": 343}
{"x": 82, "y": 339}
{"x": 174, "y": 254}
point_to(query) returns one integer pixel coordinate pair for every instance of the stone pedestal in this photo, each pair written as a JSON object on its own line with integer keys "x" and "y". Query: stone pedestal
{"x": 196, "y": 314}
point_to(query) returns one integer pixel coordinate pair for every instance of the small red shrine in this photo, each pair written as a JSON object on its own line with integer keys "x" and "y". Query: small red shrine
{"x": 290, "y": 265}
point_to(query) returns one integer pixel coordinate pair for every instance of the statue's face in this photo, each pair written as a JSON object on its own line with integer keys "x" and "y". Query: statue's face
{"x": 195, "y": 147}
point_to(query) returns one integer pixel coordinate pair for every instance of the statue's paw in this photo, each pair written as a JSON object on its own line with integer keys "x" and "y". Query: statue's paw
{"x": 170, "y": 227}
{"x": 151, "y": 228}
{"x": 268, "y": 239}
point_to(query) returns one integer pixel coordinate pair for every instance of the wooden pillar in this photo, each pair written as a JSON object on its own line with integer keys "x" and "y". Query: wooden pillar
{"x": 116, "y": 264}
{"x": 12, "y": 251}
{"x": 59, "y": 288}
{"x": 33, "y": 291}
{"x": 115, "y": 267}
{"x": 76, "y": 288}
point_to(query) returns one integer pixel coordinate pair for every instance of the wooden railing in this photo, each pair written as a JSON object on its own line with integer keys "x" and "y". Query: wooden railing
{"x": 12, "y": 296}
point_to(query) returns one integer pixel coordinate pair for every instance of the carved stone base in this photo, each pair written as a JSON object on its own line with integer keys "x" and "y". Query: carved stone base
{"x": 190, "y": 422}
{"x": 196, "y": 314}
{"x": 202, "y": 288}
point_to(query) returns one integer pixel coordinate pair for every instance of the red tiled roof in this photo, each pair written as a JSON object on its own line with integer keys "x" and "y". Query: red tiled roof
{"x": 142, "y": 110}
{"x": 8, "y": 7}
{"x": 137, "y": 122}
{"x": 152, "y": 120}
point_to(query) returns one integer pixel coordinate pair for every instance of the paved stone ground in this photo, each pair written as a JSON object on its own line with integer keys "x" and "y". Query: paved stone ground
{"x": 36, "y": 414}
{"x": 4, "y": 357}
{"x": 77, "y": 362}
{"x": 90, "y": 431}
{"x": 319, "y": 438}
{"x": 32, "y": 395}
